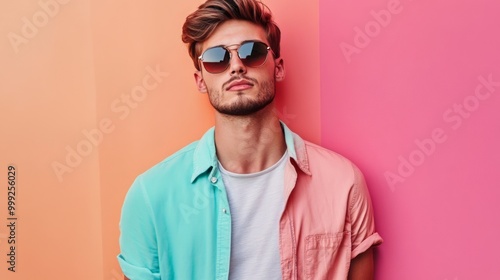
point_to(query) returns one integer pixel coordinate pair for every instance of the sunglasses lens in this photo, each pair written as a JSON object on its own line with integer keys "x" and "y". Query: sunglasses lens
{"x": 253, "y": 54}
{"x": 216, "y": 60}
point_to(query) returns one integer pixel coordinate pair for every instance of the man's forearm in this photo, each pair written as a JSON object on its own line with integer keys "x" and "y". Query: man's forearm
{"x": 362, "y": 266}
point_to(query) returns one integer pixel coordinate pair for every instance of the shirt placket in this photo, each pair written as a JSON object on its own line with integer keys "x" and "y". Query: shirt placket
{"x": 287, "y": 235}
{"x": 223, "y": 228}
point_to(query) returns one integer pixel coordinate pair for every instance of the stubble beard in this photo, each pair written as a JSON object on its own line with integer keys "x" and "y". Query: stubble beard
{"x": 243, "y": 106}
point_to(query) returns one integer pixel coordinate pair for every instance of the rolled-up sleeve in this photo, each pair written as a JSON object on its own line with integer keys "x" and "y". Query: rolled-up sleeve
{"x": 363, "y": 234}
{"x": 138, "y": 256}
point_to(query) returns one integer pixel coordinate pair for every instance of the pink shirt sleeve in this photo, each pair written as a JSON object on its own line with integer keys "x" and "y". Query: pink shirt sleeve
{"x": 360, "y": 215}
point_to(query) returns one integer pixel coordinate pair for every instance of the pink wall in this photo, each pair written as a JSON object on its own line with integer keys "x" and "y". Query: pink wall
{"x": 403, "y": 94}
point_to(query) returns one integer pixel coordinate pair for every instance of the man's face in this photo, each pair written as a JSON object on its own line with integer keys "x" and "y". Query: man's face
{"x": 239, "y": 90}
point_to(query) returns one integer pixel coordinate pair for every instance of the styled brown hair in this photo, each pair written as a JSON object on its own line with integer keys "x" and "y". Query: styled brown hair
{"x": 201, "y": 24}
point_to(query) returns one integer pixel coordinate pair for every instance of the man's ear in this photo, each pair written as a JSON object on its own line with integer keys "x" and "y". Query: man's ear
{"x": 200, "y": 82}
{"x": 279, "y": 69}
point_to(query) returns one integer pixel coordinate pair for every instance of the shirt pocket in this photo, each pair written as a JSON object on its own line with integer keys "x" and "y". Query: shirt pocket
{"x": 327, "y": 256}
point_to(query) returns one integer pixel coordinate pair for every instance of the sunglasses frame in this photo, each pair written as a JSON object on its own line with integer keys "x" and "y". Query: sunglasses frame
{"x": 238, "y": 52}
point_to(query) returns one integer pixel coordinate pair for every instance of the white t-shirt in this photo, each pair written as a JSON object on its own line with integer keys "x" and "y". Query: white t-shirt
{"x": 256, "y": 204}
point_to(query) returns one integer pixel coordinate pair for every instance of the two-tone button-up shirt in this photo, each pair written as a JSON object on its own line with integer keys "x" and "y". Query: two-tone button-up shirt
{"x": 176, "y": 219}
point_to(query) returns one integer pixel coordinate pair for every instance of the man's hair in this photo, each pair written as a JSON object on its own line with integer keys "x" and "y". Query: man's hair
{"x": 200, "y": 25}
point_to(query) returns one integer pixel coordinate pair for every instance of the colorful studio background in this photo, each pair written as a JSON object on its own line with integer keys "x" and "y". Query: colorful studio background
{"x": 92, "y": 93}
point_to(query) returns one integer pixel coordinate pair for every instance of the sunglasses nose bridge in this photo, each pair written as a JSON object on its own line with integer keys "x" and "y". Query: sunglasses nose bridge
{"x": 234, "y": 49}
{"x": 249, "y": 54}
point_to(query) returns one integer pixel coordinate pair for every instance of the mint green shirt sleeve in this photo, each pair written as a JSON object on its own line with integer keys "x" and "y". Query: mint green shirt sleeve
{"x": 139, "y": 252}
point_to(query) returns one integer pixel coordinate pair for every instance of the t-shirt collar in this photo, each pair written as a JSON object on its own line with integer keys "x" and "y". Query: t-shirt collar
{"x": 205, "y": 157}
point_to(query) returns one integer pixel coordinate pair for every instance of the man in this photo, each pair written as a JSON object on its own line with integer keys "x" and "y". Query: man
{"x": 250, "y": 199}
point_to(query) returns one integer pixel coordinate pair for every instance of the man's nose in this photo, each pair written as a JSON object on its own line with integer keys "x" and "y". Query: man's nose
{"x": 236, "y": 65}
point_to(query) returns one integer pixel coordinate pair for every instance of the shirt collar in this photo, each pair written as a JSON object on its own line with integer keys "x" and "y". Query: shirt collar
{"x": 205, "y": 157}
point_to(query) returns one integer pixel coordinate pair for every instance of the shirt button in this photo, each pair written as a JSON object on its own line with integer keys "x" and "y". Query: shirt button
{"x": 224, "y": 210}
{"x": 213, "y": 180}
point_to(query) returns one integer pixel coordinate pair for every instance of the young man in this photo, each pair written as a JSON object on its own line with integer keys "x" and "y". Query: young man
{"x": 250, "y": 199}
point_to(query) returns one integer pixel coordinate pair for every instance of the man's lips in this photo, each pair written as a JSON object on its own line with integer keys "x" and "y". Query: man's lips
{"x": 239, "y": 85}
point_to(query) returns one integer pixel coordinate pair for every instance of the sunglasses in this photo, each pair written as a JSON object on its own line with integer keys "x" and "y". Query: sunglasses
{"x": 251, "y": 53}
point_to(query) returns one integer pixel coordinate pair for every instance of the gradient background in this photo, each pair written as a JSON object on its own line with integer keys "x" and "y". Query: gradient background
{"x": 72, "y": 62}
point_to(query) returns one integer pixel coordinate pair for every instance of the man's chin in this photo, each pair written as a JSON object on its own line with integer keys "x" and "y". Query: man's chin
{"x": 238, "y": 112}
{"x": 242, "y": 109}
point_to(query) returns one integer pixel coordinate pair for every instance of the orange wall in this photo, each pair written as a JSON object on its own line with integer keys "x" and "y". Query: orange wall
{"x": 76, "y": 84}
{"x": 47, "y": 97}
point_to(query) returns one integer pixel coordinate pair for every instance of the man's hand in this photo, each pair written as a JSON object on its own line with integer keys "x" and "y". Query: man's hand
{"x": 362, "y": 266}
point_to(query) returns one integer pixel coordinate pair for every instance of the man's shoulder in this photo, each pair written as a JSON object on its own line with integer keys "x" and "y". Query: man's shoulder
{"x": 319, "y": 160}
{"x": 326, "y": 161}
{"x": 316, "y": 152}
{"x": 164, "y": 181}
{"x": 179, "y": 161}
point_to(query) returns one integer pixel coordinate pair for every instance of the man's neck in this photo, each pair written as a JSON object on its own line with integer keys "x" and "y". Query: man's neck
{"x": 249, "y": 144}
